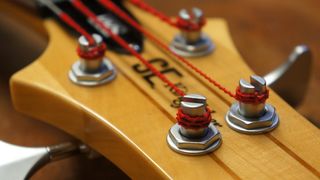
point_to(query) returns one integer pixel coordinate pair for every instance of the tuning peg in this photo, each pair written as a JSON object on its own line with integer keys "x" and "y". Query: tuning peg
{"x": 251, "y": 114}
{"x": 194, "y": 134}
{"x": 19, "y": 162}
{"x": 191, "y": 41}
{"x": 290, "y": 80}
{"x": 92, "y": 68}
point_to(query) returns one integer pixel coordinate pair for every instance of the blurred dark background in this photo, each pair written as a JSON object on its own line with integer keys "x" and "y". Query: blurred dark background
{"x": 263, "y": 31}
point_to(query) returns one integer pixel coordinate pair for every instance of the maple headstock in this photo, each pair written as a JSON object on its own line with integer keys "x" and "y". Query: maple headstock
{"x": 128, "y": 119}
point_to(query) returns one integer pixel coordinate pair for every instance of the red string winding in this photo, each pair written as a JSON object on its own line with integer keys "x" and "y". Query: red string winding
{"x": 194, "y": 122}
{"x": 93, "y": 53}
{"x": 189, "y": 25}
{"x": 252, "y": 98}
{"x": 86, "y": 11}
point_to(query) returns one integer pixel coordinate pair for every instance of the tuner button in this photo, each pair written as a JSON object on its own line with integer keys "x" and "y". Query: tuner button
{"x": 251, "y": 115}
{"x": 92, "y": 68}
{"x": 194, "y": 134}
{"x": 191, "y": 42}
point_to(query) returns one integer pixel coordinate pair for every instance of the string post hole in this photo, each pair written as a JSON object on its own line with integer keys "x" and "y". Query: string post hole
{"x": 251, "y": 114}
{"x": 92, "y": 68}
{"x": 191, "y": 41}
{"x": 194, "y": 134}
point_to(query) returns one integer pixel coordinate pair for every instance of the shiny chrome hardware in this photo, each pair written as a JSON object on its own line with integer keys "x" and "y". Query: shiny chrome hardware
{"x": 194, "y": 141}
{"x": 290, "y": 80}
{"x": 252, "y": 118}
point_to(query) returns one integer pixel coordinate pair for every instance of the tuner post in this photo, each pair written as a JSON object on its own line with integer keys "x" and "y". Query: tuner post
{"x": 92, "y": 68}
{"x": 251, "y": 115}
{"x": 191, "y": 41}
{"x": 194, "y": 134}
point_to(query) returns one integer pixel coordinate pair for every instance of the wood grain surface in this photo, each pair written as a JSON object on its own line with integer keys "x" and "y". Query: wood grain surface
{"x": 264, "y": 32}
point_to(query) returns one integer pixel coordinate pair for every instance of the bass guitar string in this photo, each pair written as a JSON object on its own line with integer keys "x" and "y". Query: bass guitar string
{"x": 114, "y": 8}
{"x": 87, "y": 12}
{"x": 68, "y": 20}
{"x": 252, "y": 98}
{"x": 177, "y": 23}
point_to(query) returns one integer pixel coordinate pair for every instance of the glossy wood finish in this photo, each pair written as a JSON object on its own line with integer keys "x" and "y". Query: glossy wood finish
{"x": 265, "y": 32}
{"x": 127, "y": 121}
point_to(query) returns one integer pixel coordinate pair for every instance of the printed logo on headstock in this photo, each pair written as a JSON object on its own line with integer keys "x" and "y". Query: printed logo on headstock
{"x": 148, "y": 76}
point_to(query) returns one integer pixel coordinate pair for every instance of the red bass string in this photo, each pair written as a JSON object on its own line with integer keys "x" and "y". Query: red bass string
{"x": 68, "y": 20}
{"x": 86, "y": 11}
{"x": 251, "y": 98}
{"x": 178, "y": 23}
{"x": 111, "y": 6}
{"x": 153, "y": 11}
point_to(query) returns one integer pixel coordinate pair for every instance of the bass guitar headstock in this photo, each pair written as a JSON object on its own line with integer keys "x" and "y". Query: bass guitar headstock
{"x": 126, "y": 105}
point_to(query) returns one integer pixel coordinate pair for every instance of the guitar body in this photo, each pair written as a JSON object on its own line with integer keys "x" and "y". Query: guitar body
{"x": 127, "y": 120}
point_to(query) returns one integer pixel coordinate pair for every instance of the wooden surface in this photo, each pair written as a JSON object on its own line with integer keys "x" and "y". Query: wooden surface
{"x": 265, "y": 32}
{"x": 25, "y": 131}
{"x": 127, "y": 121}
{"x": 248, "y": 37}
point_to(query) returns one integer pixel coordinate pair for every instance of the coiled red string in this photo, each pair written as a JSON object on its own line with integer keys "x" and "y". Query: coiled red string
{"x": 87, "y": 12}
{"x": 194, "y": 122}
{"x": 178, "y": 23}
{"x": 188, "y": 25}
{"x": 93, "y": 53}
{"x": 252, "y": 98}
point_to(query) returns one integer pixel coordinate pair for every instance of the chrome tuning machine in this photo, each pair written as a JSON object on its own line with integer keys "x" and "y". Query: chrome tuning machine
{"x": 251, "y": 115}
{"x": 93, "y": 68}
{"x": 191, "y": 41}
{"x": 194, "y": 134}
